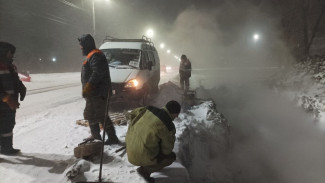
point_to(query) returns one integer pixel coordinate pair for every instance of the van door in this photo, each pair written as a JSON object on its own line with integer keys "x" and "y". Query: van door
{"x": 155, "y": 71}
{"x": 144, "y": 74}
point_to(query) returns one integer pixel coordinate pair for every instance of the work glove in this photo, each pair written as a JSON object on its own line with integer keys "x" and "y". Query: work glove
{"x": 12, "y": 103}
{"x": 87, "y": 90}
{"x": 22, "y": 92}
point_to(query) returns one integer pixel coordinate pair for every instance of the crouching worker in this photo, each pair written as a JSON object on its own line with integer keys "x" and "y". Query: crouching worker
{"x": 150, "y": 138}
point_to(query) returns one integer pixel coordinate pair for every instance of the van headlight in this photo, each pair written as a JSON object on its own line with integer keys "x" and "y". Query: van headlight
{"x": 132, "y": 83}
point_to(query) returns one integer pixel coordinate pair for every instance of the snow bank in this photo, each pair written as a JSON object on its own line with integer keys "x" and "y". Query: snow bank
{"x": 305, "y": 84}
{"x": 271, "y": 139}
{"x": 203, "y": 141}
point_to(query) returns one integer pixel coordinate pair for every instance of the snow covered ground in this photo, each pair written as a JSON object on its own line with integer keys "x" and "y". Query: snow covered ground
{"x": 47, "y": 133}
{"x": 269, "y": 139}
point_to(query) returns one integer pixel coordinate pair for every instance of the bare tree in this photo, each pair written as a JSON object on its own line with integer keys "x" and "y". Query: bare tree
{"x": 301, "y": 20}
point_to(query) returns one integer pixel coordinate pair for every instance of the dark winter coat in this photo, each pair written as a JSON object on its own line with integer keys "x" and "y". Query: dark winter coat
{"x": 96, "y": 72}
{"x": 95, "y": 69}
{"x": 185, "y": 69}
{"x": 150, "y": 133}
{"x": 9, "y": 83}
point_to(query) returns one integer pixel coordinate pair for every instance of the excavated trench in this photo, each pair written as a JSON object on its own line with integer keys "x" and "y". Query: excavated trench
{"x": 205, "y": 141}
{"x": 260, "y": 145}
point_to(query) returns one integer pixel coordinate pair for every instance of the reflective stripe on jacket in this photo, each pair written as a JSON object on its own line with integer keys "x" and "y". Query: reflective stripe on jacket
{"x": 95, "y": 71}
{"x": 9, "y": 83}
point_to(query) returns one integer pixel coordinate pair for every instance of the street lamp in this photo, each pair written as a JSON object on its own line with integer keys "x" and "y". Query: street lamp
{"x": 53, "y": 59}
{"x": 149, "y": 33}
{"x": 168, "y": 51}
{"x": 162, "y": 45}
{"x": 256, "y": 37}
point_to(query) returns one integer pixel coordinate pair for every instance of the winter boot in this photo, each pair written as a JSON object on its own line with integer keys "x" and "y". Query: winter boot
{"x": 6, "y": 146}
{"x": 112, "y": 138}
{"x": 95, "y": 131}
{"x": 144, "y": 174}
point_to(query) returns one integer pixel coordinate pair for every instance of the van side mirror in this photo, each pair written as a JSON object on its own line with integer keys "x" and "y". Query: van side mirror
{"x": 150, "y": 65}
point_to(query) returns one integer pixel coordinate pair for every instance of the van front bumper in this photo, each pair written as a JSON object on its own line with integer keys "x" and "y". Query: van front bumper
{"x": 122, "y": 94}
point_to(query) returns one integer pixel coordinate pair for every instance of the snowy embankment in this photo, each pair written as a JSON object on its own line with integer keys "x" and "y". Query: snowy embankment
{"x": 305, "y": 84}
{"x": 46, "y": 133}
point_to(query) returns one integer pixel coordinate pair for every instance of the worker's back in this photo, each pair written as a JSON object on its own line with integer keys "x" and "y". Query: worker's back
{"x": 151, "y": 130}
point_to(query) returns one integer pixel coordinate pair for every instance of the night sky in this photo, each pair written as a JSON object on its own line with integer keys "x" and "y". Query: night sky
{"x": 44, "y": 29}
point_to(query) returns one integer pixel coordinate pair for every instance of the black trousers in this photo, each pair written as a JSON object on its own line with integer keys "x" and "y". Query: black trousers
{"x": 7, "y": 122}
{"x": 166, "y": 160}
{"x": 185, "y": 81}
{"x": 95, "y": 113}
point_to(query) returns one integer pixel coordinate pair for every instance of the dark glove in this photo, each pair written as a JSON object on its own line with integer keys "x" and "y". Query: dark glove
{"x": 86, "y": 92}
{"x": 22, "y": 92}
{"x": 12, "y": 103}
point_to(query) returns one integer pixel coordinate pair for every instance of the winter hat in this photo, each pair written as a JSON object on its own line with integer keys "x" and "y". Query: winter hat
{"x": 5, "y": 47}
{"x": 183, "y": 57}
{"x": 173, "y": 107}
{"x": 87, "y": 42}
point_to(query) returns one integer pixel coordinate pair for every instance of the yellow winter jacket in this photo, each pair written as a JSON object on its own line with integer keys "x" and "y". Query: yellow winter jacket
{"x": 151, "y": 131}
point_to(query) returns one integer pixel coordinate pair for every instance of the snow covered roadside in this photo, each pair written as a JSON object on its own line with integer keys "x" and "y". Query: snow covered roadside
{"x": 305, "y": 85}
{"x": 47, "y": 134}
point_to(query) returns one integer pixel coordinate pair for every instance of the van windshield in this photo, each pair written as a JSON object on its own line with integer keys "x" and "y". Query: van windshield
{"x": 125, "y": 57}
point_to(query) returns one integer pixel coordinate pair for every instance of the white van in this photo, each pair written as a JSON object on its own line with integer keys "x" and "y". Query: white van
{"x": 134, "y": 68}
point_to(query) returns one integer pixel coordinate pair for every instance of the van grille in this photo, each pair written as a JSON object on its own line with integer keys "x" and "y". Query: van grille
{"x": 118, "y": 87}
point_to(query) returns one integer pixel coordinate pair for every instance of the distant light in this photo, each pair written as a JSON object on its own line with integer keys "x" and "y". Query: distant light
{"x": 162, "y": 45}
{"x": 176, "y": 57}
{"x": 53, "y": 59}
{"x": 256, "y": 37}
{"x": 150, "y": 33}
{"x": 168, "y": 68}
{"x": 168, "y": 51}
{"x": 40, "y": 59}
{"x": 107, "y": 0}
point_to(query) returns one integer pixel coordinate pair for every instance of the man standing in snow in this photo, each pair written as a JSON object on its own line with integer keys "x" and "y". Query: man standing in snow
{"x": 151, "y": 137}
{"x": 185, "y": 69}
{"x": 10, "y": 88}
{"x": 96, "y": 87}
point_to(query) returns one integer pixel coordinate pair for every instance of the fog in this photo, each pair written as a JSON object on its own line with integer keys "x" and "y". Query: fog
{"x": 273, "y": 141}
{"x": 223, "y": 37}
{"x": 212, "y": 33}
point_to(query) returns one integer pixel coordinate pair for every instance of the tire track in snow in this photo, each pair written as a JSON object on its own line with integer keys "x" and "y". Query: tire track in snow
{"x": 51, "y": 88}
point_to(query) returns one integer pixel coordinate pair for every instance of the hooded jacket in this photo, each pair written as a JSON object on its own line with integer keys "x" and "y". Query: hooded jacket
{"x": 185, "y": 69}
{"x": 150, "y": 132}
{"x": 10, "y": 84}
{"x": 95, "y": 68}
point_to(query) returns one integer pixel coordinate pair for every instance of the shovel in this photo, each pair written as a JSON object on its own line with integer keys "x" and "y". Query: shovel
{"x": 103, "y": 143}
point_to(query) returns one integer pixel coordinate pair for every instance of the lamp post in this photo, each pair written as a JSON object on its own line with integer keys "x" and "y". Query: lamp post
{"x": 94, "y": 20}
{"x": 94, "y": 17}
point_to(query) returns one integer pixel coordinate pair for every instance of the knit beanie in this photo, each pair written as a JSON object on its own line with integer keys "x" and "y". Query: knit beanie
{"x": 173, "y": 107}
